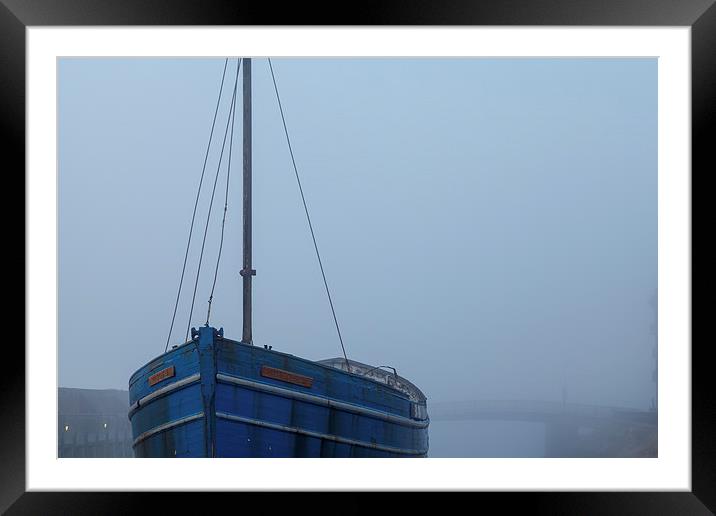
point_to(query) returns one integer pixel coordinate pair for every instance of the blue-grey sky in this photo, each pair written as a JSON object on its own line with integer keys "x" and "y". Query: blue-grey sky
{"x": 487, "y": 226}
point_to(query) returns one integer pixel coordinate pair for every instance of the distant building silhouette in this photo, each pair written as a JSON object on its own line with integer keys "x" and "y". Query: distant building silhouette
{"x": 93, "y": 423}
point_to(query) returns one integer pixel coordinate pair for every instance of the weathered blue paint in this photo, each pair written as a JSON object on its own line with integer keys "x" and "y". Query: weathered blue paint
{"x": 207, "y": 370}
{"x": 233, "y": 411}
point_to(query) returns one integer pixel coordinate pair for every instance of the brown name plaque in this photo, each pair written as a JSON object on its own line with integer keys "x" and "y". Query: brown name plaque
{"x": 161, "y": 375}
{"x": 286, "y": 376}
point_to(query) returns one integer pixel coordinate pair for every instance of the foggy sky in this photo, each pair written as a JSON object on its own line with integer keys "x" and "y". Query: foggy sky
{"x": 487, "y": 226}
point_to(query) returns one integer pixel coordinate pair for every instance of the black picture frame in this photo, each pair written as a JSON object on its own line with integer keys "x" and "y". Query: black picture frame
{"x": 16, "y": 15}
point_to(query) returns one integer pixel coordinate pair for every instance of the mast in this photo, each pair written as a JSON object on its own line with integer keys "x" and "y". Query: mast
{"x": 247, "y": 271}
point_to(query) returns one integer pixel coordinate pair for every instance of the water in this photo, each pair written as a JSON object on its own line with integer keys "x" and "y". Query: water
{"x": 477, "y": 438}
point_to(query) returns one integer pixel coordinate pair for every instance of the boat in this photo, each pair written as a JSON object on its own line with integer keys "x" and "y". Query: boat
{"x": 212, "y": 396}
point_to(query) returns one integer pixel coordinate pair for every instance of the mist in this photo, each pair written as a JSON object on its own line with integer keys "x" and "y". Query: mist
{"x": 488, "y": 227}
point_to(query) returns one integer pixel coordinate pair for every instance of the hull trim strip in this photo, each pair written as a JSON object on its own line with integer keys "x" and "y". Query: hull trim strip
{"x": 164, "y": 390}
{"x": 318, "y": 400}
{"x": 167, "y": 426}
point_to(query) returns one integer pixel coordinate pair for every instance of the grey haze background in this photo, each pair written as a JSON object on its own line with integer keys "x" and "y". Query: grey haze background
{"x": 488, "y": 226}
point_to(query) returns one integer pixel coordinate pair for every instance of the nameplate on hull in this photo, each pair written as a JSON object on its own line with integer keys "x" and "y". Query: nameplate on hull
{"x": 161, "y": 375}
{"x": 286, "y": 376}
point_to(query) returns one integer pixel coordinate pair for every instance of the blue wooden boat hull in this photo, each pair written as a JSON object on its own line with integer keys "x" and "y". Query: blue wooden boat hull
{"x": 214, "y": 397}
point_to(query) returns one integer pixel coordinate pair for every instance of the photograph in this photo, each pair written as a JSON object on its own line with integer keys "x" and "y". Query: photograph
{"x": 353, "y": 257}
{"x": 461, "y": 234}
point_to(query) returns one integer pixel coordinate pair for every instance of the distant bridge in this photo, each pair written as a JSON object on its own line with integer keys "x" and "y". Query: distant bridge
{"x": 571, "y": 430}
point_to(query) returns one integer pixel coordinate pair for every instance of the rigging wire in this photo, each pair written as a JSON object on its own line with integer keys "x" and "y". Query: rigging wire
{"x": 196, "y": 203}
{"x": 305, "y": 207}
{"x": 226, "y": 205}
{"x": 211, "y": 202}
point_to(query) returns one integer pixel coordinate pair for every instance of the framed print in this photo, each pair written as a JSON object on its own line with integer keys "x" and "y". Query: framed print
{"x": 594, "y": 118}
